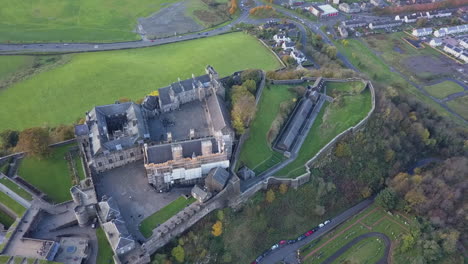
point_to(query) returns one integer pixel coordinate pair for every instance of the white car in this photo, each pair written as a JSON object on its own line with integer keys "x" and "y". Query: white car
{"x": 326, "y": 222}
{"x": 321, "y": 225}
{"x": 275, "y": 246}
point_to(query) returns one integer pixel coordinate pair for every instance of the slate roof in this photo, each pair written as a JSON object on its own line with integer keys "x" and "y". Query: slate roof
{"x": 218, "y": 112}
{"x": 200, "y": 193}
{"x": 109, "y": 210}
{"x": 163, "y": 152}
{"x": 81, "y": 130}
{"x": 164, "y": 95}
{"x": 134, "y": 127}
{"x": 219, "y": 175}
{"x": 150, "y": 102}
{"x": 294, "y": 126}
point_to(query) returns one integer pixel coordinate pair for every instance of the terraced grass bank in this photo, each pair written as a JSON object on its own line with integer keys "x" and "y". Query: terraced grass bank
{"x": 64, "y": 93}
{"x": 16, "y": 188}
{"x": 257, "y": 153}
{"x": 332, "y": 119}
{"x": 161, "y": 216}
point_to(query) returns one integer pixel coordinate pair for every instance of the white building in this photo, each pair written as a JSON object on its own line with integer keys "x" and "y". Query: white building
{"x": 278, "y": 38}
{"x": 451, "y": 30}
{"x": 464, "y": 42}
{"x": 323, "y": 10}
{"x": 350, "y": 8}
{"x": 384, "y": 24}
{"x": 464, "y": 56}
{"x": 288, "y": 46}
{"x": 435, "y": 42}
{"x": 298, "y": 56}
{"x": 455, "y": 51}
{"x": 420, "y": 32}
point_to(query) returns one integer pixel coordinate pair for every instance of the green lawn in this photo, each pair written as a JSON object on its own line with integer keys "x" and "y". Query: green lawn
{"x": 66, "y": 92}
{"x": 6, "y": 220}
{"x": 460, "y": 105}
{"x": 375, "y": 220}
{"x": 331, "y": 120}
{"x": 50, "y": 175}
{"x": 443, "y": 89}
{"x": 161, "y": 216}
{"x": 79, "y": 167}
{"x": 105, "y": 252}
{"x": 256, "y": 149}
{"x": 16, "y": 188}
{"x": 11, "y": 64}
{"x": 13, "y": 205}
{"x": 4, "y": 259}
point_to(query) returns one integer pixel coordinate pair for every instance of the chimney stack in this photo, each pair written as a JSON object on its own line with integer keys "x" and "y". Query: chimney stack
{"x": 192, "y": 133}
{"x": 207, "y": 147}
{"x": 176, "y": 151}
{"x": 169, "y": 137}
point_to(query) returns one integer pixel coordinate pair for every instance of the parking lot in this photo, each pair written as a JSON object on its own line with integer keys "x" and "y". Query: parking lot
{"x": 137, "y": 200}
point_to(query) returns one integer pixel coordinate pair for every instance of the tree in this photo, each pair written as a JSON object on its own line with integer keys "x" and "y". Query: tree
{"x": 421, "y": 22}
{"x": 9, "y": 138}
{"x": 450, "y": 240}
{"x": 233, "y": 7}
{"x": 251, "y": 74}
{"x": 331, "y": 51}
{"x": 251, "y": 86}
{"x": 387, "y": 199}
{"x": 237, "y": 124}
{"x": 408, "y": 242}
{"x": 283, "y": 188}
{"x": 319, "y": 210}
{"x": 220, "y": 215}
{"x": 124, "y": 99}
{"x": 178, "y": 253}
{"x": 35, "y": 141}
{"x": 270, "y": 196}
{"x": 217, "y": 229}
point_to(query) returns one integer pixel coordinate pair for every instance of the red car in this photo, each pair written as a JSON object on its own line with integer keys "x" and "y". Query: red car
{"x": 308, "y": 233}
{"x": 282, "y": 242}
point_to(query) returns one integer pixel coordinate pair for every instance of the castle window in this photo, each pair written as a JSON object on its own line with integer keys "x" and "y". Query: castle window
{"x": 121, "y": 157}
{"x": 131, "y": 154}
{"x": 110, "y": 161}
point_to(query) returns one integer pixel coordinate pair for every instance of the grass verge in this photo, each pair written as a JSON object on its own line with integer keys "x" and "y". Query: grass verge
{"x": 13, "y": 205}
{"x": 6, "y": 220}
{"x": 443, "y": 89}
{"x": 16, "y": 188}
{"x": 161, "y": 216}
{"x": 460, "y": 106}
{"x": 105, "y": 252}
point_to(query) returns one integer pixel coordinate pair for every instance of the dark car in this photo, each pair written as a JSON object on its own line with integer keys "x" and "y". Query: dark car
{"x": 257, "y": 260}
{"x": 308, "y": 233}
{"x": 315, "y": 229}
{"x": 292, "y": 241}
{"x": 301, "y": 237}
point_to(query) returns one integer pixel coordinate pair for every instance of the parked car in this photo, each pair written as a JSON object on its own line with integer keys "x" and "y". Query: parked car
{"x": 282, "y": 242}
{"x": 308, "y": 233}
{"x": 301, "y": 237}
{"x": 315, "y": 229}
{"x": 292, "y": 241}
{"x": 326, "y": 222}
{"x": 275, "y": 246}
{"x": 257, "y": 260}
{"x": 321, "y": 225}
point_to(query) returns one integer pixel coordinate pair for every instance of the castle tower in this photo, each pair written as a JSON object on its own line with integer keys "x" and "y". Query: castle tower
{"x": 81, "y": 215}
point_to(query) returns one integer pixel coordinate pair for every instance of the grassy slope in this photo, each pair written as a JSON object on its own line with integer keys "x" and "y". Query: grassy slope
{"x": 65, "y": 93}
{"x": 68, "y": 20}
{"x": 392, "y": 228}
{"x": 13, "y": 205}
{"x": 256, "y": 149}
{"x": 105, "y": 252}
{"x": 460, "y": 105}
{"x": 79, "y": 167}
{"x": 443, "y": 89}
{"x": 330, "y": 121}
{"x": 6, "y": 220}
{"x": 50, "y": 175}
{"x": 11, "y": 64}
{"x": 377, "y": 70}
{"x": 163, "y": 215}
{"x": 16, "y": 188}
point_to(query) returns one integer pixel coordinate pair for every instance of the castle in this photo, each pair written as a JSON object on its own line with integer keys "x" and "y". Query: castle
{"x": 180, "y": 131}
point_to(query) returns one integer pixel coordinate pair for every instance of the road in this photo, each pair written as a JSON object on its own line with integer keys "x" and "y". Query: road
{"x": 288, "y": 252}
{"x": 341, "y": 251}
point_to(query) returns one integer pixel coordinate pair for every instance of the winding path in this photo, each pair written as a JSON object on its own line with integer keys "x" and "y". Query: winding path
{"x": 341, "y": 251}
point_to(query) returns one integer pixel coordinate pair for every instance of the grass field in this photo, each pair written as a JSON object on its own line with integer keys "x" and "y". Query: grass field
{"x": 161, "y": 216}
{"x": 460, "y": 105}
{"x": 50, "y": 175}
{"x": 66, "y": 92}
{"x": 12, "y": 64}
{"x": 373, "y": 219}
{"x": 330, "y": 121}
{"x": 86, "y": 21}
{"x": 13, "y": 205}
{"x": 256, "y": 150}
{"x": 16, "y": 188}
{"x": 105, "y": 252}
{"x": 376, "y": 69}
{"x": 369, "y": 250}
{"x": 6, "y": 220}
{"x": 443, "y": 89}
